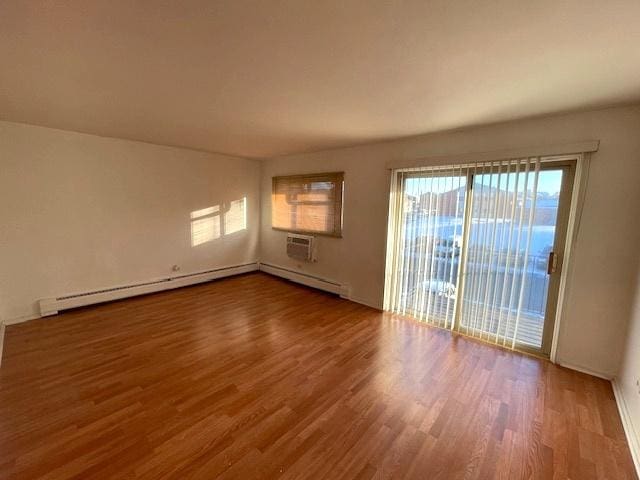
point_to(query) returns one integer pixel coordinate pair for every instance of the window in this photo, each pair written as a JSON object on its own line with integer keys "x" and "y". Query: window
{"x": 308, "y": 203}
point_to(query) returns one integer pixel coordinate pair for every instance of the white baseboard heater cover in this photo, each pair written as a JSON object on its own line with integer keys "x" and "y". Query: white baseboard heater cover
{"x": 51, "y": 306}
{"x": 306, "y": 279}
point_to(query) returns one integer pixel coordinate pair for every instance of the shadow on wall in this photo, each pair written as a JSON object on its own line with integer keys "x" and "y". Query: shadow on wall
{"x": 213, "y": 222}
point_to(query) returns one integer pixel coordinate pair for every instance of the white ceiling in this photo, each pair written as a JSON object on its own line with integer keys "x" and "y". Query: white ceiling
{"x": 263, "y": 78}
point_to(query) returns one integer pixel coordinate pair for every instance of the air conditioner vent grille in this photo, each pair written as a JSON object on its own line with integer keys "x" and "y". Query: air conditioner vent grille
{"x": 300, "y": 247}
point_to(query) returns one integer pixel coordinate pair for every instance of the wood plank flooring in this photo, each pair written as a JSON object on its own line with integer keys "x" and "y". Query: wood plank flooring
{"x": 254, "y": 377}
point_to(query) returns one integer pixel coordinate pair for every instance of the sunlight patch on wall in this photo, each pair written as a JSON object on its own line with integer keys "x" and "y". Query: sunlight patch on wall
{"x": 205, "y": 211}
{"x": 211, "y": 223}
{"x": 235, "y": 219}
{"x": 205, "y": 225}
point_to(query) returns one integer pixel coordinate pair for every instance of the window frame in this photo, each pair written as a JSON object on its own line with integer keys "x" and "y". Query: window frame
{"x": 336, "y": 178}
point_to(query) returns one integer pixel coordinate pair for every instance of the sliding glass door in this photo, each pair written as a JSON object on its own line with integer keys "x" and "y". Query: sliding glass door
{"x": 476, "y": 248}
{"x": 428, "y": 252}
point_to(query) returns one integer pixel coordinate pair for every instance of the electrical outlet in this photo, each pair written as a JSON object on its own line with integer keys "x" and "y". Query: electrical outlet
{"x": 175, "y": 268}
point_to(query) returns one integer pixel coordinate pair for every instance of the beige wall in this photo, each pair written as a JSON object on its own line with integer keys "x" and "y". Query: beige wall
{"x": 630, "y": 370}
{"x": 605, "y": 255}
{"x": 81, "y": 212}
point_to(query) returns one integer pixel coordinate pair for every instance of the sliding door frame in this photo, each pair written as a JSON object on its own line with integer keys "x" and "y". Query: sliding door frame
{"x": 567, "y": 206}
{"x": 560, "y": 241}
{"x": 568, "y": 167}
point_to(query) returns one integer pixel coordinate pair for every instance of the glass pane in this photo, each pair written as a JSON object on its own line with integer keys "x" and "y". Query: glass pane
{"x": 499, "y": 268}
{"x": 433, "y": 212}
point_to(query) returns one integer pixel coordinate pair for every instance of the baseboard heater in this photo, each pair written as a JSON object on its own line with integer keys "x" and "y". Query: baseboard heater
{"x": 51, "y": 306}
{"x": 306, "y": 279}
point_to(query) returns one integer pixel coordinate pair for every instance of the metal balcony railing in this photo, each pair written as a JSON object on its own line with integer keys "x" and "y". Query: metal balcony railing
{"x": 439, "y": 292}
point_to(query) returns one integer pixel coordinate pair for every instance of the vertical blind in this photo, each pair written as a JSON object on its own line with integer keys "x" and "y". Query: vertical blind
{"x": 459, "y": 246}
{"x": 308, "y": 203}
{"x": 422, "y": 264}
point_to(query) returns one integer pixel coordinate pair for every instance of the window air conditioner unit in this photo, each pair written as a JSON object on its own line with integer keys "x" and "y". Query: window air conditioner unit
{"x": 300, "y": 247}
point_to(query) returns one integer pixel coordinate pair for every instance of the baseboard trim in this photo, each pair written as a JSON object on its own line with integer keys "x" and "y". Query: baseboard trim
{"x": 588, "y": 371}
{"x": 1, "y": 340}
{"x": 23, "y": 318}
{"x": 365, "y": 303}
{"x": 51, "y": 306}
{"x": 306, "y": 279}
{"x": 630, "y": 432}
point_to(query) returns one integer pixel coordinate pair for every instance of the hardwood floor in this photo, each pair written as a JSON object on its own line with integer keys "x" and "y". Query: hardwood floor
{"x": 254, "y": 377}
